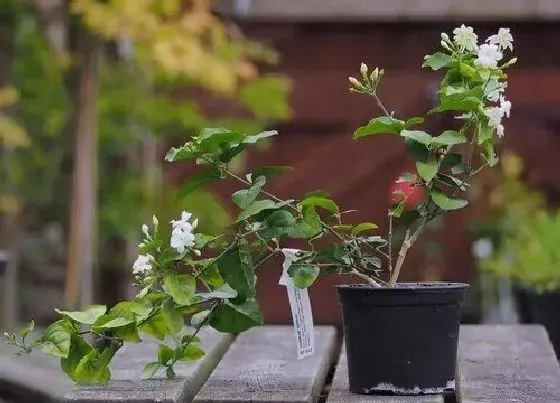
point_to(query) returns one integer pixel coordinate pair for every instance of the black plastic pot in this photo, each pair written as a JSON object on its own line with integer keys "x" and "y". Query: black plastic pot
{"x": 544, "y": 311}
{"x": 401, "y": 340}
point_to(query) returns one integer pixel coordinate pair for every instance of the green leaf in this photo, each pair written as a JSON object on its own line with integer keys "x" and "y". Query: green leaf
{"x": 450, "y": 138}
{"x": 163, "y": 323}
{"x": 324, "y": 203}
{"x": 270, "y": 171}
{"x": 258, "y": 206}
{"x": 111, "y": 321}
{"x": 484, "y": 133}
{"x": 254, "y": 138}
{"x": 27, "y": 329}
{"x": 153, "y": 370}
{"x": 211, "y": 275}
{"x": 230, "y": 318}
{"x": 236, "y": 268}
{"x": 460, "y": 99}
{"x": 413, "y": 122}
{"x": 365, "y": 226}
{"x": 165, "y": 354}
{"x": 446, "y": 203}
{"x": 181, "y": 287}
{"x": 56, "y": 339}
{"x": 428, "y": 169}
{"x": 303, "y": 276}
{"x": 94, "y": 367}
{"x": 222, "y": 292}
{"x": 180, "y": 153}
{"x": 79, "y": 348}
{"x": 383, "y": 124}
{"x": 196, "y": 181}
{"x": 309, "y": 226}
{"x": 198, "y": 318}
{"x": 210, "y": 139}
{"x": 244, "y": 197}
{"x": 453, "y": 181}
{"x": 191, "y": 352}
{"x": 396, "y": 210}
{"x": 278, "y": 223}
{"x": 126, "y": 308}
{"x": 437, "y": 61}
{"x": 87, "y": 315}
{"x": 418, "y": 136}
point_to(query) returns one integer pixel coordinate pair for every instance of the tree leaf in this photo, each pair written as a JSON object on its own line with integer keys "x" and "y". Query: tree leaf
{"x": 236, "y": 268}
{"x": 308, "y": 226}
{"x": 211, "y": 275}
{"x": 365, "y": 226}
{"x": 111, "y": 321}
{"x": 304, "y": 276}
{"x": 56, "y": 339}
{"x": 210, "y": 139}
{"x": 324, "y": 203}
{"x": 427, "y": 170}
{"x": 418, "y": 136}
{"x": 437, "y": 61}
{"x": 127, "y": 308}
{"x": 24, "y": 332}
{"x": 222, "y": 292}
{"x": 180, "y": 153}
{"x": 94, "y": 366}
{"x": 196, "y": 181}
{"x": 191, "y": 352}
{"x": 244, "y": 197}
{"x": 450, "y": 138}
{"x": 258, "y": 206}
{"x": 181, "y": 287}
{"x": 382, "y": 124}
{"x": 230, "y": 318}
{"x": 87, "y": 315}
{"x": 165, "y": 354}
{"x": 153, "y": 369}
{"x": 79, "y": 348}
{"x": 446, "y": 203}
{"x": 278, "y": 223}
{"x": 413, "y": 121}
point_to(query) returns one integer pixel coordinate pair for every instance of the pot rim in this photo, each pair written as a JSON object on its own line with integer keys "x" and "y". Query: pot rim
{"x": 413, "y": 286}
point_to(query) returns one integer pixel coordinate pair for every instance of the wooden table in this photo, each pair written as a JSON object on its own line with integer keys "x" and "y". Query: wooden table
{"x": 497, "y": 364}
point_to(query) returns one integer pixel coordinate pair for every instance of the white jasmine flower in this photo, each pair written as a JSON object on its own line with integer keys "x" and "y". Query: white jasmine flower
{"x": 465, "y": 38}
{"x": 500, "y": 130}
{"x": 182, "y": 235}
{"x": 489, "y": 55}
{"x": 145, "y": 230}
{"x": 494, "y": 115}
{"x": 493, "y": 89}
{"x": 503, "y": 39}
{"x": 505, "y": 105}
{"x": 142, "y": 264}
{"x": 184, "y": 221}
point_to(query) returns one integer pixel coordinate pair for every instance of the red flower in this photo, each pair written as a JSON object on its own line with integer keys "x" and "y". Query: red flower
{"x": 406, "y": 191}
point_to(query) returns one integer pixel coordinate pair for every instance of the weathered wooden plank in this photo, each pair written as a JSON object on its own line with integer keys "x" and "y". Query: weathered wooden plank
{"x": 507, "y": 363}
{"x": 31, "y": 378}
{"x": 261, "y": 366}
{"x": 339, "y": 392}
{"x": 128, "y": 386}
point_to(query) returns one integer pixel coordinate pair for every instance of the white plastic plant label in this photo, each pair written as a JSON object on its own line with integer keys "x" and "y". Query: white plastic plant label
{"x": 301, "y": 308}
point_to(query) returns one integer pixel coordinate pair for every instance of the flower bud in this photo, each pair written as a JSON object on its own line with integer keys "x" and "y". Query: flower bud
{"x": 195, "y": 223}
{"x": 355, "y": 83}
{"x": 197, "y": 252}
{"x": 155, "y": 222}
{"x": 145, "y": 230}
{"x": 364, "y": 70}
{"x": 444, "y": 37}
{"x": 446, "y": 46}
{"x": 510, "y": 63}
{"x": 381, "y": 73}
{"x": 374, "y": 75}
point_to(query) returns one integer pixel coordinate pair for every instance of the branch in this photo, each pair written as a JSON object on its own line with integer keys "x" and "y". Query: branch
{"x": 409, "y": 240}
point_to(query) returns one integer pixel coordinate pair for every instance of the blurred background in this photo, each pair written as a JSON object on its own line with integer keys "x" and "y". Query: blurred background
{"x": 93, "y": 93}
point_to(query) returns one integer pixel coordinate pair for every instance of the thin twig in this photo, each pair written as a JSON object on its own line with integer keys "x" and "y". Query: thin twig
{"x": 390, "y": 243}
{"x": 409, "y": 240}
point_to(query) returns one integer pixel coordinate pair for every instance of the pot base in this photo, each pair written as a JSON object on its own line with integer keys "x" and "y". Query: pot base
{"x": 393, "y": 390}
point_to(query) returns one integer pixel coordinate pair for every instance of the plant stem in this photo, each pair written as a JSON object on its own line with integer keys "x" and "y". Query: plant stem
{"x": 409, "y": 240}
{"x": 390, "y": 244}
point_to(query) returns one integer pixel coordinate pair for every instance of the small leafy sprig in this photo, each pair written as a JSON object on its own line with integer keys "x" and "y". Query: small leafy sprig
{"x": 211, "y": 279}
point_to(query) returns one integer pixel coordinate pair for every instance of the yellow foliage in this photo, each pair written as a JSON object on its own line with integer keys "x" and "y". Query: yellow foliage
{"x": 11, "y": 134}
{"x": 179, "y": 37}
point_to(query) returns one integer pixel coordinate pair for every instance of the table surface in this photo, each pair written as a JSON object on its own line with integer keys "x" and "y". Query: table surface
{"x": 497, "y": 364}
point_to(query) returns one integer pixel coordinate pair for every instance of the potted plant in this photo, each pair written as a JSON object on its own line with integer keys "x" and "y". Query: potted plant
{"x": 211, "y": 278}
{"x": 524, "y": 249}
